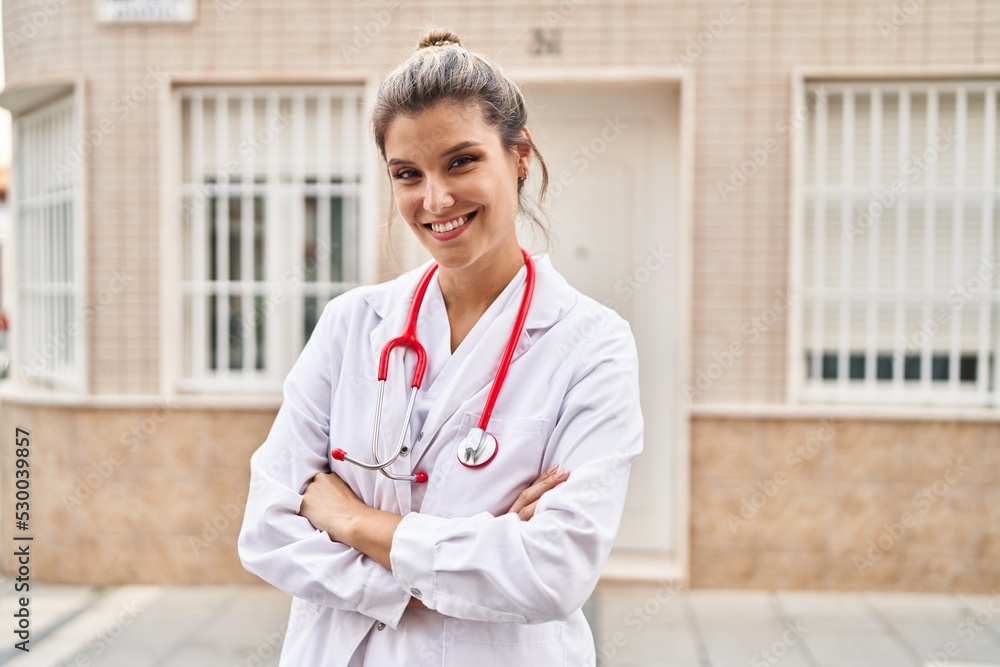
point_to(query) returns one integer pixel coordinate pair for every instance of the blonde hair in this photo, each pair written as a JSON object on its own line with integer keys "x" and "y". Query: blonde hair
{"x": 443, "y": 70}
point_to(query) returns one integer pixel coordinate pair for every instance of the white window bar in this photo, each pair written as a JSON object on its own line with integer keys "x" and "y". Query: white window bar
{"x": 198, "y": 288}
{"x": 274, "y": 169}
{"x": 278, "y": 217}
{"x": 221, "y": 275}
{"x": 247, "y": 329}
{"x": 846, "y": 215}
{"x": 350, "y": 205}
{"x": 50, "y": 286}
{"x": 819, "y": 210}
{"x": 986, "y": 225}
{"x": 930, "y": 175}
{"x": 902, "y": 211}
{"x": 874, "y": 177}
{"x": 888, "y": 320}
{"x": 957, "y": 246}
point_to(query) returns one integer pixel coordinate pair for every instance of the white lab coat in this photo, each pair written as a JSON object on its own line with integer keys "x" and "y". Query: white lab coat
{"x": 499, "y": 591}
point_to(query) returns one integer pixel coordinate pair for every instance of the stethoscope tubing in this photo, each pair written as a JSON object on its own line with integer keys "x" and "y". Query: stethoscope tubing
{"x": 408, "y": 339}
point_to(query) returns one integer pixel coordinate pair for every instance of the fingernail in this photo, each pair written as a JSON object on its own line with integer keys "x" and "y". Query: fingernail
{"x": 562, "y": 474}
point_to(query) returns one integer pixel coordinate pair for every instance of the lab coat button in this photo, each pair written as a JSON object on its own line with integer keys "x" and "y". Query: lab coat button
{"x": 404, "y": 451}
{"x": 415, "y": 592}
{"x": 420, "y": 435}
{"x": 381, "y": 626}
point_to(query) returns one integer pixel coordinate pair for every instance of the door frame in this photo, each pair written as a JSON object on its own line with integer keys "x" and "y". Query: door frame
{"x": 676, "y": 567}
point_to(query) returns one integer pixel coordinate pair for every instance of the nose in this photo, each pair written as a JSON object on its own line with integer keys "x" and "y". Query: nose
{"x": 437, "y": 196}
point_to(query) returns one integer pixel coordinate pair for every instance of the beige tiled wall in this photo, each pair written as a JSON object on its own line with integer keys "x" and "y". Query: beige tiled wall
{"x": 147, "y": 495}
{"x": 742, "y": 79}
{"x": 796, "y": 504}
{"x": 166, "y": 505}
{"x": 139, "y": 523}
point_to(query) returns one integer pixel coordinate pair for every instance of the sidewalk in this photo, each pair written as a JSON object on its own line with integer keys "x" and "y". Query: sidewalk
{"x": 635, "y": 626}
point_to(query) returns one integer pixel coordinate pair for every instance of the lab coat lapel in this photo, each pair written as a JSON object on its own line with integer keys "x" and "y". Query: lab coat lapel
{"x": 552, "y": 299}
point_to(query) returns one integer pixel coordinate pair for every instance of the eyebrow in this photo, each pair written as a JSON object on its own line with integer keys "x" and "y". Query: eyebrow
{"x": 454, "y": 149}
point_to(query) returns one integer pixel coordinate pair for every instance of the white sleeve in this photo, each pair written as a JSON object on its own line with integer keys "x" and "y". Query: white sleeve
{"x": 275, "y": 542}
{"x": 504, "y": 569}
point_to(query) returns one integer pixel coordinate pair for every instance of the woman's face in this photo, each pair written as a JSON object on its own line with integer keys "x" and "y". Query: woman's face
{"x": 455, "y": 183}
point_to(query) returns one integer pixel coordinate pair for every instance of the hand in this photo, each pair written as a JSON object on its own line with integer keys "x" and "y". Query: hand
{"x": 524, "y": 506}
{"x": 330, "y": 505}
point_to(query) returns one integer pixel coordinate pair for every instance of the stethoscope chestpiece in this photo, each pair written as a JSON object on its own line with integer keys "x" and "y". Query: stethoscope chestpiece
{"x": 477, "y": 449}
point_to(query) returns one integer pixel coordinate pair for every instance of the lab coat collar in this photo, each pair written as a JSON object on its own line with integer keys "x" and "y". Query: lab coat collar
{"x": 553, "y": 299}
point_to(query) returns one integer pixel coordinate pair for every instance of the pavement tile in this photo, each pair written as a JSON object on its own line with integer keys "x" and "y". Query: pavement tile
{"x": 944, "y": 628}
{"x": 634, "y": 626}
{"x": 747, "y": 628}
{"x": 637, "y": 625}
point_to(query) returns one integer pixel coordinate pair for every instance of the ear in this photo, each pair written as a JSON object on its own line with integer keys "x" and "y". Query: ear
{"x": 524, "y": 155}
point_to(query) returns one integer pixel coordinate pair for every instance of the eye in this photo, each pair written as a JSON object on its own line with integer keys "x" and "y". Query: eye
{"x": 404, "y": 174}
{"x": 462, "y": 161}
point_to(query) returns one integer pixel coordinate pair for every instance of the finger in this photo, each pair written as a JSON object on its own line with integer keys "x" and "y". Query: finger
{"x": 527, "y": 511}
{"x": 536, "y": 490}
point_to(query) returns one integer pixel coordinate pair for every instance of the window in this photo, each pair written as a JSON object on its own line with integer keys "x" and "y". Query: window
{"x": 898, "y": 243}
{"x": 271, "y": 184}
{"x": 49, "y": 320}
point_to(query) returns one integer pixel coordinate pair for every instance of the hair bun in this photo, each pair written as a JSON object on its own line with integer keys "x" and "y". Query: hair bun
{"x": 438, "y": 38}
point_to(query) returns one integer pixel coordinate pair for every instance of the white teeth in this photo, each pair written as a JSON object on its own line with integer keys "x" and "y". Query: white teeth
{"x": 441, "y": 227}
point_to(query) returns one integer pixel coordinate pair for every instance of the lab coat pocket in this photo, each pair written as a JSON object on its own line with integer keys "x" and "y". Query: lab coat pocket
{"x": 485, "y": 644}
{"x": 493, "y": 487}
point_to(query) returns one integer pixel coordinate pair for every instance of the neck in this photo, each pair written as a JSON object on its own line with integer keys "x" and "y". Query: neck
{"x": 472, "y": 289}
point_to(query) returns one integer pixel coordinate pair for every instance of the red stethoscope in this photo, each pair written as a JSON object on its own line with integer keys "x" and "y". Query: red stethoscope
{"x": 478, "y": 448}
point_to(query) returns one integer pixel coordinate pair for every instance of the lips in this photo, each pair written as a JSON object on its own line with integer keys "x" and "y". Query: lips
{"x": 450, "y": 228}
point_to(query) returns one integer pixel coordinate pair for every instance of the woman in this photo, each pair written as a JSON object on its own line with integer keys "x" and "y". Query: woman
{"x": 482, "y": 564}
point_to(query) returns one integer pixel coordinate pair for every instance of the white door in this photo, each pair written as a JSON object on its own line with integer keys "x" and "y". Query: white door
{"x": 613, "y": 210}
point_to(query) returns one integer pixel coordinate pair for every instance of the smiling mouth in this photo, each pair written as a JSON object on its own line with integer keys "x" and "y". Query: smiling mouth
{"x": 442, "y": 227}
